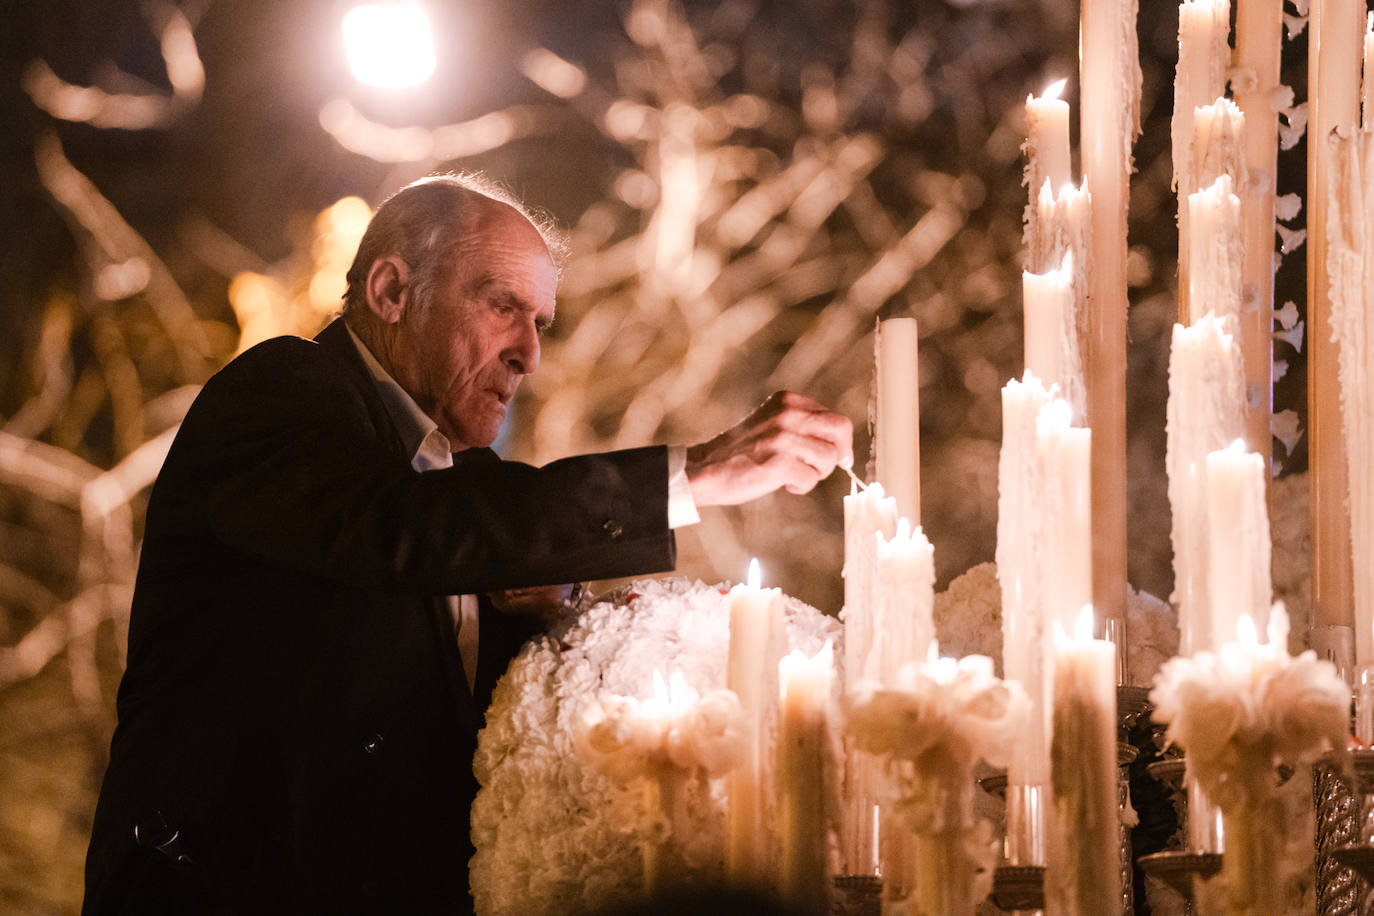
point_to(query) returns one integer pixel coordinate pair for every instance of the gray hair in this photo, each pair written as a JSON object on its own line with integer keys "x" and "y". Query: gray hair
{"x": 427, "y": 219}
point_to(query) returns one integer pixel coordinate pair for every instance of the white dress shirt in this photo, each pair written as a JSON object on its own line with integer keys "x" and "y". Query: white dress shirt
{"x": 430, "y": 450}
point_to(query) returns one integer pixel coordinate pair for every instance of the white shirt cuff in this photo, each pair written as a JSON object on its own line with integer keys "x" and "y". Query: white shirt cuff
{"x": 682, "y": 509}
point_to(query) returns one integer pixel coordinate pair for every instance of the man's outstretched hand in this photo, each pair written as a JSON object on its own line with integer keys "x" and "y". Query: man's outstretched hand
{"x": 789, "y": 441}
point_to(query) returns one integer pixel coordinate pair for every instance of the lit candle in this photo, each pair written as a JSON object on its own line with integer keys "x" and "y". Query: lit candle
{"x": 1065, "y": 456}
{"x": 1110, "y": 80}
{"x": 1255, "y": 84}
{"x": 1205, "y": 413}
{"x": 1214, "y": 255}
{"x": 1218, "y": 136}
{"x": 1199, "y": 79}
{"x": 898, "y": 428}
{"x": 1238, "y": 539}
{"x": 1051, "y": 340}
{"x": 903, "y": 602}
{"x": 755, "y": 633}
{"x": 866, "y": 513}
{"x": 1047, "y": 139}
{"x": 1057, "y": 237}
{"x": 1083, "y": 868}
{"x": 803, "y": 762}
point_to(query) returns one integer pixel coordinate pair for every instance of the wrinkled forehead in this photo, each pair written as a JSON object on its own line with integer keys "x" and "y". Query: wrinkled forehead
{"x": 497, "y": 243}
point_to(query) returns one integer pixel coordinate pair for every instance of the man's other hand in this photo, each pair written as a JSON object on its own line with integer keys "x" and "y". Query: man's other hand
{"x": 790, "y": 441}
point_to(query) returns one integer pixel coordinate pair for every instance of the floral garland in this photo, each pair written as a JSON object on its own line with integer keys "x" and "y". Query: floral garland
{"x": 1241, "y": 714}
{"x": 554, "y": 834}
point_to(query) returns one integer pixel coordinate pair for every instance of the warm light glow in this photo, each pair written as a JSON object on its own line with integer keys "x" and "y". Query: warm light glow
{"x": 753, "y": 579}
{"x": 1054, "y": 90}
{"x": 1245, "y": 631}
{"x": 389, "y": 46}
{"x": 1083, "y": 630}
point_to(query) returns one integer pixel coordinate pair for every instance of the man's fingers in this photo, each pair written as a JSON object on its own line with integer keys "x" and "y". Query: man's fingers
{"x": 815, "y": 421}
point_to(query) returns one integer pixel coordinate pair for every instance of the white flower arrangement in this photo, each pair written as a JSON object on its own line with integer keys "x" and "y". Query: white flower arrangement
{"x": 1240, "y": 714}
{"x": 554, "y": 834}
{"x": 931, "y": 728}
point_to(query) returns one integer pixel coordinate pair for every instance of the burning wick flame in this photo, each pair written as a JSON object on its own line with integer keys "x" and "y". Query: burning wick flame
{"x": 1083, "y": 630}
{"x": 1054, "y": 90}
{"x": 753, "y": 578}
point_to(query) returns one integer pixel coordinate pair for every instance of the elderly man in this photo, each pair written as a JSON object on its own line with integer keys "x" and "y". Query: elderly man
{"x": 313, "y": 640}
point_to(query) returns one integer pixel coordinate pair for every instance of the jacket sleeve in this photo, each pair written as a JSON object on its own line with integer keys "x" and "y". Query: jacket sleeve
{"x": 290, "y": 468}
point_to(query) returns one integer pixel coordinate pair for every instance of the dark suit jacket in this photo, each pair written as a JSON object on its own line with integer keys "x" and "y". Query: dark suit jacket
{"x": 294, "y": 707}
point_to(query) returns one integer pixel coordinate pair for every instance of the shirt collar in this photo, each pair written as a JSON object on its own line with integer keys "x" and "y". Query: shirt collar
{"x": 428, "y": 448}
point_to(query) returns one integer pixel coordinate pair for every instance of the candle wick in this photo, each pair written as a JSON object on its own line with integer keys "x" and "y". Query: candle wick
{"x": 854, "y": 478}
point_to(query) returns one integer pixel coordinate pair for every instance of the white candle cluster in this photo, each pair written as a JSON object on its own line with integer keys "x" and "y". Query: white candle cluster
{"x": 1205, "y": 413}
{"x": 626, "y": 738}
{"x": 930, "y": 727}
{"x": 1240, "y": 713}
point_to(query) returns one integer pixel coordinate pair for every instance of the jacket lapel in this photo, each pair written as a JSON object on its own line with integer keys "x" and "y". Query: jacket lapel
{"x": 335, "y": 339}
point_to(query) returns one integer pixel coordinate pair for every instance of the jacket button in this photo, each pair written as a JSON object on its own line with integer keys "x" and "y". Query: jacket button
{"x": 612, "y": 528}
{"x": 373, "y": 745}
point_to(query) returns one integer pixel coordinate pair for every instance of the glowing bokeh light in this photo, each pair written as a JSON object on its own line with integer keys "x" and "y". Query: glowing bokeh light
{"x": 389, "y": 46}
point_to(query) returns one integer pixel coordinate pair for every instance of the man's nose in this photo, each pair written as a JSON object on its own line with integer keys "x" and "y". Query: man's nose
{"x": 522, "y": 356}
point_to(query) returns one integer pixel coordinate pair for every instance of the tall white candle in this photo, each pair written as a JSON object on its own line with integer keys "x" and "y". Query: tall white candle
{"x": 1214, "y": 254}
{"x": 803, "y": 764}
{"x": 1083, "y": 871}
{"x": 1334, "y": 50}
{"x": 1352, "y": 301}
{"x": 1205, "y": 413}
{"x": 903, "y": 602}
{"x": 1237, "y": 540}
{"x": 1021, "y": 506}
{"x": 898, "y": 432}
{"x": 1367, "y": 86}
{"x": 1110, "y": 81}
{"x": 755, "y": 628}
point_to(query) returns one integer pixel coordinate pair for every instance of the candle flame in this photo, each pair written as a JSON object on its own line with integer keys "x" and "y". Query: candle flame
{"x": 1083, "y": 630}
{"x": 1237, "y": 447}
{"x": 660, "y": 687}
{"x": 1245, "y": 631}
{"x": 1054, "y": 90}
{"x": 753, "y": 579}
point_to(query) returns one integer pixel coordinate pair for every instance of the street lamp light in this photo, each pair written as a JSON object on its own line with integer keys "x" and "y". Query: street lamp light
{"x": 389, "y": 45}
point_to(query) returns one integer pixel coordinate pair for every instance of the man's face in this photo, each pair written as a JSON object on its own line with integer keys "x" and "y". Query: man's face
{"x": 464, "y": 353}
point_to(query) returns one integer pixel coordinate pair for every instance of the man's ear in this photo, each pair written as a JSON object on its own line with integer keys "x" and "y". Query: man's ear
{"x": 388, "y": 288}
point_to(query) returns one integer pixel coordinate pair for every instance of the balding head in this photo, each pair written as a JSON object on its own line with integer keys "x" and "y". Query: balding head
{"x": 425, "y": 224}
